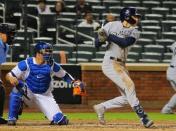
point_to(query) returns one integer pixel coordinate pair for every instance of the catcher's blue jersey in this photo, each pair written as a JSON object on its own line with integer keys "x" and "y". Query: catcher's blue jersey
{"x": 37, "y": 77}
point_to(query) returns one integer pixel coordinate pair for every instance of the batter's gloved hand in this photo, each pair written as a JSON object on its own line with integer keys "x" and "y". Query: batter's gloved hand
{"x": 78, "y": 88}
{"x": 102, "y": 35}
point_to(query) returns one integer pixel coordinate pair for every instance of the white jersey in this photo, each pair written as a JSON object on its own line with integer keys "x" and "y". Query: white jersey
{"x": 173, "y": 48}
{"x": 117, "y": 29}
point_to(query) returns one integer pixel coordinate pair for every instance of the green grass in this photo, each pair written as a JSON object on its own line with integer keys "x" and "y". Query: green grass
{"x": 108, "y": 116}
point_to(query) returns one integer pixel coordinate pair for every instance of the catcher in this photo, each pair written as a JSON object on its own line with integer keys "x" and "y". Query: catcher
{"x": 7, "y": 32}
{"x": 35, "y": 88}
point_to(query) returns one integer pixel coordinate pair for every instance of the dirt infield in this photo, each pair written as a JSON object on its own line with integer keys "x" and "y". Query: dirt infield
{"x": 88, "y": 126}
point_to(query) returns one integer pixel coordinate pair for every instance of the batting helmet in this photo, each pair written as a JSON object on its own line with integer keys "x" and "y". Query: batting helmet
{"x": 8, "y": 29}
{"x": 44, "y": 48}
{"x": 127, "y": 13}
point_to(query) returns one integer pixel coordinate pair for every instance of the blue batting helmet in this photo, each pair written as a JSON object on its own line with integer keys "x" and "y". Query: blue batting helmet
{"x": 127, "y": 13}
{"x": 44, "y": 48}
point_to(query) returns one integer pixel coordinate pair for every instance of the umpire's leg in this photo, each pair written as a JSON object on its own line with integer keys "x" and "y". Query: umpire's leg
{"x": 2, "y": 100}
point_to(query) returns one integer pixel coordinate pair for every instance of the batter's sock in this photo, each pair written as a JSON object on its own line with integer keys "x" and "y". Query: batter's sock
{"x": 140, "y": 111}
{"x": 143, "y": 116}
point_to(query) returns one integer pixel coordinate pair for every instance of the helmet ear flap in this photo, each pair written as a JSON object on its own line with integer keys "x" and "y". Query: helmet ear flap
{"x": 126, "y": 18}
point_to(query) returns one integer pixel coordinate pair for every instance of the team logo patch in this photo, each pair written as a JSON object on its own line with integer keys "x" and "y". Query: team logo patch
{"x": 40, "y": 76}
{"x": 127, "y": 12}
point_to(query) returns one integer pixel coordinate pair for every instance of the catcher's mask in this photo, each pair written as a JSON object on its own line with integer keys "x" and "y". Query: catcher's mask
{"x": 45, "y": 49}
{"x": 10, "y": 30}
{"x": 128, "y": 14}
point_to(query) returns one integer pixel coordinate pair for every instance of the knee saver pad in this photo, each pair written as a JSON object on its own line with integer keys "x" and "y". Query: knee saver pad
{"x": 15, "y": 103}
{"x": 60, "y": 119}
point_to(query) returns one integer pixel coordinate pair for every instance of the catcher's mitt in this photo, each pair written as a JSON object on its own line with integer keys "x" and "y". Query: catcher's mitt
{"x": 102, "y": 35}
{"x": 78, "y": 88}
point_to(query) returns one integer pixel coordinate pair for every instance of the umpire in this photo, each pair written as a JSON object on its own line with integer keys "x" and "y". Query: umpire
{"x": 7, "y": 32}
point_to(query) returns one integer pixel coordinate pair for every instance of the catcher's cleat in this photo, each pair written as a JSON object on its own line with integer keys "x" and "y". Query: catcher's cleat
{"x": 65, "y": 122}
{"x": 100, "y": 109}
{"x": 146, "y": 122}
{"x": 3, "y": 121}
{"x": 11, "y": 122}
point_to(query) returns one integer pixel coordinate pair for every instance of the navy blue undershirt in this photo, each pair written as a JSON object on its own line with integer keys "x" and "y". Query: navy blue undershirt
{"x": 122, "y": 42}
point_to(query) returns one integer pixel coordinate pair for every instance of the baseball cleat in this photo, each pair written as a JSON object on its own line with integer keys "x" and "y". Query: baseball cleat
{"x": 11, "y": 122}
{"x": 166, "y": 110}
{"x": 65, "y": 122}
{"x": 100, "y": 109}
{"x": 146, "y": 122}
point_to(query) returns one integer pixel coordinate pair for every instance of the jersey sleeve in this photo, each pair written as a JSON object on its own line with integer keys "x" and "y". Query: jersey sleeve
{"x": 106, "y": 28}
{"x": 58, "y": 70}
{"x": 20, "y": 69}
{"x": 135, "y": 33}
{"x": 173, "y": 47}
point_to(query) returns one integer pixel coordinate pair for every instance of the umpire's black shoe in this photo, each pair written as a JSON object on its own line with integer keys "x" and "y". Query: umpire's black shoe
{"x": 146, "y": 122}
{"x": 3, "y": 121}
{"x": 11, "y": 122}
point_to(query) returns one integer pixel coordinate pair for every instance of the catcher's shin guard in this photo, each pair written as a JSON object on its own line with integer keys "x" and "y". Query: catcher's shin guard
{"x": 59, "y": 119}
{"x": 2, "y": 99}
{"x": 15, "y": 104}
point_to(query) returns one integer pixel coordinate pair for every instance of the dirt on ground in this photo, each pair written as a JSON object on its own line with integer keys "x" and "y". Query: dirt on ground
{"x": 82, "y": 125}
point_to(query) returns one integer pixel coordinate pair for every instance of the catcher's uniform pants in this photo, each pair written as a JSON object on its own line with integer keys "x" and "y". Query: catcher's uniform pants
{"x": 45, "y": 102}
{"x": 116, "y": 71}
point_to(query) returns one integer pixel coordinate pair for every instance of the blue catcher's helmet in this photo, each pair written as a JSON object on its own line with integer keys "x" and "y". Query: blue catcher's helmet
{"x": 127, "y": 13}
{"x": 44, "y": 48}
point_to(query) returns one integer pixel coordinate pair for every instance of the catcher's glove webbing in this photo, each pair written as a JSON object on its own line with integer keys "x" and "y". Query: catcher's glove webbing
{"x": 78, "y": 88}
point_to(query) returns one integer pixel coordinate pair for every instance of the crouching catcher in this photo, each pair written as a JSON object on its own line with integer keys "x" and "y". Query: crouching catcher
{"x": 36, "y": 74}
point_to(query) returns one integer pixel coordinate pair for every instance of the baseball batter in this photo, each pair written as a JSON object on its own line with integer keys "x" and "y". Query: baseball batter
{"x": 171, "y": 73}
{"x": 32, "y": 83}
{"x": 121, "y": 35}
